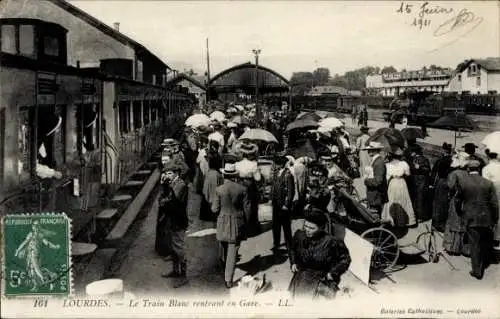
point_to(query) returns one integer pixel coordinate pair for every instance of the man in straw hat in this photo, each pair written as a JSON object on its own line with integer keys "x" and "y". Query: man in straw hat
{"x": 173, "y": 204}
{"x": 375, "y": 178}
{"x": 231, "y": 204}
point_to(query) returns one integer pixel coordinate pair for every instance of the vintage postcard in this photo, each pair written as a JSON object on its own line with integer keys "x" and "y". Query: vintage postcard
{"x": 308, "y": 159}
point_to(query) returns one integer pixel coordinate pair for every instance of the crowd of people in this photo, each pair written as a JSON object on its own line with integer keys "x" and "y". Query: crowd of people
{"x": 308, "y": 167}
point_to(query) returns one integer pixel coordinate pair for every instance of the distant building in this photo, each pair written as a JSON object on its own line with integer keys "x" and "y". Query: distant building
{"x": 476, "y": 76}
{"x": 327, "y": 89}
{"x": 422, "y": 80}
{"x": 193, "y": 84}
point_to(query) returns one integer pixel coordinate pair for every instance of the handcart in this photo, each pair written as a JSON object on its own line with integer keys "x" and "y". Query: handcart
{"x": 355, "y": 216}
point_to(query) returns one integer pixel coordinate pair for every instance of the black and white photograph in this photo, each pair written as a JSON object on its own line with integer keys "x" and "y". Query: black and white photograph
{"x": 249, "y": 158}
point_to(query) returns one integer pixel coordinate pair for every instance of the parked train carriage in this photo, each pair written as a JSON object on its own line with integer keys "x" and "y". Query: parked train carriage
{"x": 40, "y": 92}
{"x": 36, "y": 99}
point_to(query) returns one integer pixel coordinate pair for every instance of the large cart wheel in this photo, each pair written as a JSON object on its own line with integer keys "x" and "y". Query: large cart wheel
{"x": 386, "y": 248}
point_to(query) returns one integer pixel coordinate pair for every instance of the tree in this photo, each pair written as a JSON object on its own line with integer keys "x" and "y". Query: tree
{"x": 301, "y": 82}
{"x": 321, "y": 76}
{"x": 389, "y": 69}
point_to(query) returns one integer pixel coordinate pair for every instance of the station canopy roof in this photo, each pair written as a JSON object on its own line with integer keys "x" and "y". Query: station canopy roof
{"x": 241, "y": 79}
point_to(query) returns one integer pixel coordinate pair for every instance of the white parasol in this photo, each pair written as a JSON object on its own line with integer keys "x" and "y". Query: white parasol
{"x": 331, "y": 123}
{"x": 197, "y": 120}
{"x": 217, "y": 116}
{"x": 492, "y": 142}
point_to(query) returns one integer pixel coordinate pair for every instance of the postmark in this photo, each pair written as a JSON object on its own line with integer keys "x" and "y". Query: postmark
{"x": 36, "y": 255}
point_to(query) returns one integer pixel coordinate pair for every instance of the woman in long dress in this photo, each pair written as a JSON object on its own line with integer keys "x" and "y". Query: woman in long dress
{"x": 364, "y": 158}
{"x": 399, "y": 209}
{"x": 439, "y": 183}
{"x": 455, "y": 229}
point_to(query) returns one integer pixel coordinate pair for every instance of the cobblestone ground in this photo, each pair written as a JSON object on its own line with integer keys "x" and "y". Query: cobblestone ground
{"x": 141, "y": 269}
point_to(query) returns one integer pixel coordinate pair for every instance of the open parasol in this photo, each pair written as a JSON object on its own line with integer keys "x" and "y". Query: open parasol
{"x": 458, "y": 122}
{"x": 331, "y": 123}
{"x": 302, "y": 124}
{"x": 257, "y": 134}
{"x": 322, "y": 114}
{"x": 309, "y": 115}
{"x": 492, "y": 142}
{"x": 412, "y": 133}
{"x": 197, "y": 120}
{"x": 217, "y": 116}
{"x": 391, "y": 138}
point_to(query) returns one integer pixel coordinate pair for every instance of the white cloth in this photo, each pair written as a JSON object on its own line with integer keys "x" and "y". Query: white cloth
{"x": 232, "y": 138}
{"x": 492, "y": 172}
{"x": 248, "y": 169}
{"x": 44, "y": 171}
{"x": 218, "y": 137}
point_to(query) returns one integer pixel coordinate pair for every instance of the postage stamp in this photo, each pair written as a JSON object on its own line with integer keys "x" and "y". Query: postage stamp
{"x": 36, "y": 255}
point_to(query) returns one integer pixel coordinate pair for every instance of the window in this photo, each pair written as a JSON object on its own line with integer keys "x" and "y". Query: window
{"x": 145, "y": 112}
{"x": 139, "y": 71}
{"x": 137, "y": 113}
{"x": 24, "y": 142}
{"x": 154, "y": 79}
{"x": 51, "y": 46}
{"x": 460, "y": 77}
{"x": 60, "y": 136}
{"x": 26, "y": 40}
{"x": 9, "y": 39}
{"x": 87, "y": 119}
{"x": 124, "y": 116}
{"x": 478, "y": 81}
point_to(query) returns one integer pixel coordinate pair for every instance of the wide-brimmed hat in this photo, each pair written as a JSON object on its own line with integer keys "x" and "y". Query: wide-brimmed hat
{"x": 397, "y": 152}
{"x": 248, "y": 148}
{"x": 469, "y": 147}
{"x": 172, "y": 166}
{"x": 473, "y": 164}
{"x": 229, "y": 169}
{"x": 373, "y": 146}
{"x": 169, "y": 142}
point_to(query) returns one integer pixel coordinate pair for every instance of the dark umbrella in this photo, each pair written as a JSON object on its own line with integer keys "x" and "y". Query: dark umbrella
{"x": 303, "y": 149}
{"x": 310, "y": 115}
{"x": 301, "y": 124}
{"x": 412, "y": 133}
{"x": 458, "y": 122}
{"x": 389, "y": 137}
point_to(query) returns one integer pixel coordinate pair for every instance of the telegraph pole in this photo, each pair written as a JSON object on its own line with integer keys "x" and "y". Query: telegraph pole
{"x": 207, "y": 88}
{"x": 256, "y": 52}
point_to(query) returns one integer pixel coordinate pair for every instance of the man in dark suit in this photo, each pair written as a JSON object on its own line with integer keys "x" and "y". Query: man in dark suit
{"x": 479, "y": 206}
{"x": 232, "y": 205}
{"x": 173, "y": 203}
{"x": 470, "y": 148}
{"x": 282, "y": 197}
{"x": 376, "y": 180}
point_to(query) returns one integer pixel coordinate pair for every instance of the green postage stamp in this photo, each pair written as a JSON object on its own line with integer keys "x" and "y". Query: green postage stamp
{"x": 36, "y": 255}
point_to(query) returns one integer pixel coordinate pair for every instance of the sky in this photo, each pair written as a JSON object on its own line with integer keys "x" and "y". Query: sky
{"x": 304, "y": 35}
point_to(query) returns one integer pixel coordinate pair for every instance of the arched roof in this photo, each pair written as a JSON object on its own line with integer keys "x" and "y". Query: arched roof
{"x": 242, "y": 78}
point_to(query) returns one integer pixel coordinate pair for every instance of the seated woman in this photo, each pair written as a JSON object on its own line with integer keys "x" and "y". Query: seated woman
{"x": 318, "y": 259}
